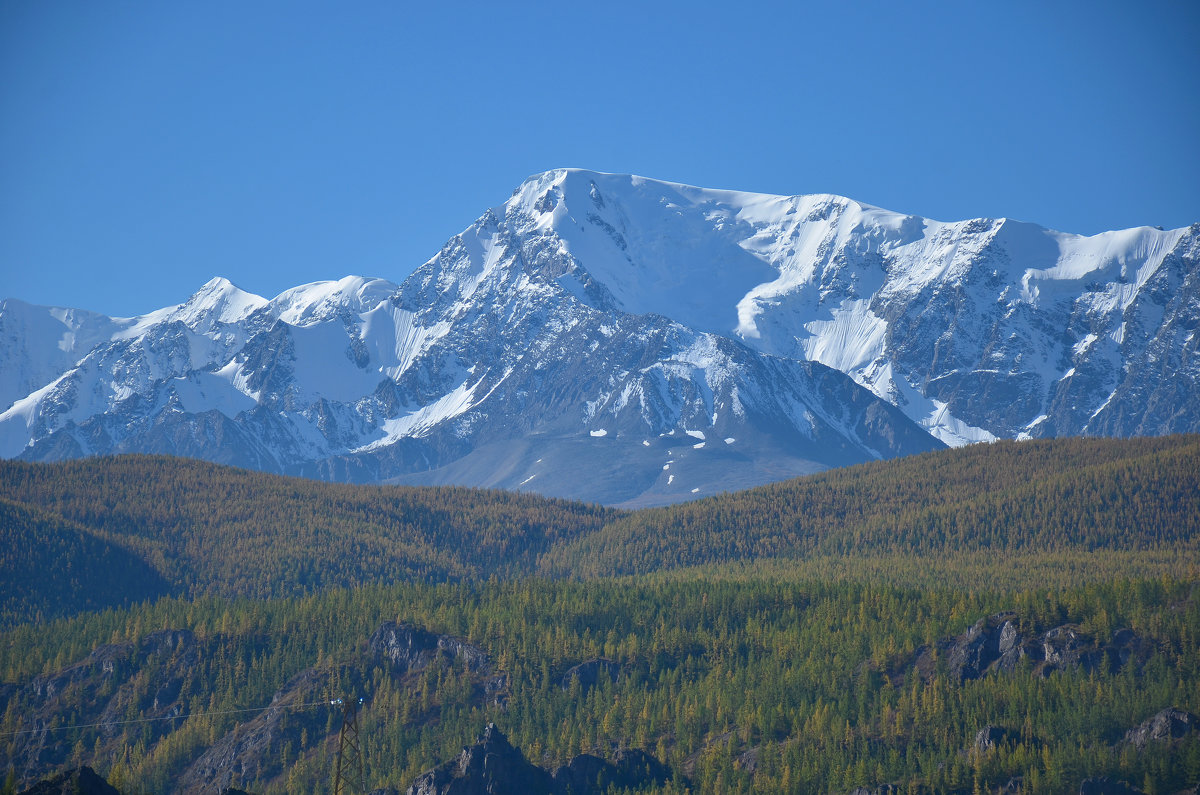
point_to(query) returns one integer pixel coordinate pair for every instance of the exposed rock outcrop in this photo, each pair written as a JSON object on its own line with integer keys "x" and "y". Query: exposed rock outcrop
{"x": 997, "y": 643}
{"x": 990, "y": 737}
{"x": 410, "y": 648}
{"x": 1169, "y": 724}
{"x": 492, "y": 766}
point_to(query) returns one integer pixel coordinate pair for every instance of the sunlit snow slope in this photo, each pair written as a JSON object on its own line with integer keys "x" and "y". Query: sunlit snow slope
{"x": 632, "y": 341}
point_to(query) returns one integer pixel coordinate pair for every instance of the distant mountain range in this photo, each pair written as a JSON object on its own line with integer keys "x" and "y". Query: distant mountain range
{"x": 627, "y": 341}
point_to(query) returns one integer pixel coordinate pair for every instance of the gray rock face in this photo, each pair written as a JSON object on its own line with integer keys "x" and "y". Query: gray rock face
{"x": 1169, "y": 724}
{"x": 990, "y": 737}
{"x": 410, "y": 648}
{"x": 252, "y": 751}
{"x": 996, "y": 643}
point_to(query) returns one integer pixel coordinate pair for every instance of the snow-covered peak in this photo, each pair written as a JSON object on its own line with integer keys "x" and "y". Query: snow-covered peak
{"x": 221, "y": 301}
{"x": 310, "y": 303}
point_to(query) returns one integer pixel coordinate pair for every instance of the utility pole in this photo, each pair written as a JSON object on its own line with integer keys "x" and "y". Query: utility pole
{"x": 349, "y": 756}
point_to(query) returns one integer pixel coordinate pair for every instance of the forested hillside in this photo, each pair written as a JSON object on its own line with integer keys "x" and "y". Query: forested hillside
{"x": 766, "y": 685}
{"x": 212, "y": 529}
{"x": 208, "y": 529}
{"x": 995, "y": 616}
{"x": 1005, "y": 497}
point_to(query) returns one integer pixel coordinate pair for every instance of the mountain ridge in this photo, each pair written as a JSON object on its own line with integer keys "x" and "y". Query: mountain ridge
{"x": 636, "y": 342}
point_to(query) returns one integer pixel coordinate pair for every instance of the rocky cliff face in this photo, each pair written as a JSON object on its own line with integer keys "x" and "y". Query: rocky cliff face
{"x": 624, "y": 340}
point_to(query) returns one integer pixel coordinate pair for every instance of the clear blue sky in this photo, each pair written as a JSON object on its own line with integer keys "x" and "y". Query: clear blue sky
{"x": 148, "y": 146}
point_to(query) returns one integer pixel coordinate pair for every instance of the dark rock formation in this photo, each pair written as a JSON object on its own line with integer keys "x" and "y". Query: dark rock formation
{"x": 77, "y": 781}
{"x": 590, "y": 673}
{"x": 492, "y": 766}
{"x": 997, "y": 643}
{"x": 1164, "y": 726}
{"x": 489, "y": 767}
{"x": 629, "y": 769}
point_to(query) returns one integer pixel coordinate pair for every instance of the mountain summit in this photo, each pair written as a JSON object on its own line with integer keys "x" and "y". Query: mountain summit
{"x": 631, "y": 341}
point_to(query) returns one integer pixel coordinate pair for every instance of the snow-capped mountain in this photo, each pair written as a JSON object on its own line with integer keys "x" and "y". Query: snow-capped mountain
{"x": 626, "y": 340}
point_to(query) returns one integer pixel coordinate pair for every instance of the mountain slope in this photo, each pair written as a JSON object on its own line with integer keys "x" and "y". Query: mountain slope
{"x": 979, "y": 329}
{"x": 635, "y": 342}
{"x": 203, "y": 528}
{"x": 50, "y": 568}
{"x": 1007, "y": 499}
{"x": 158, "y": 524}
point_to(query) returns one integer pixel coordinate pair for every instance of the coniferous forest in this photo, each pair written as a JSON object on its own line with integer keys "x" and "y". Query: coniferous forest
{"x": 1013, "y": 617}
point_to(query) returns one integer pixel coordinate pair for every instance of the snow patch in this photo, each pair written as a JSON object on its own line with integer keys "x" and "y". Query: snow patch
{"x": 421, "y": 421}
